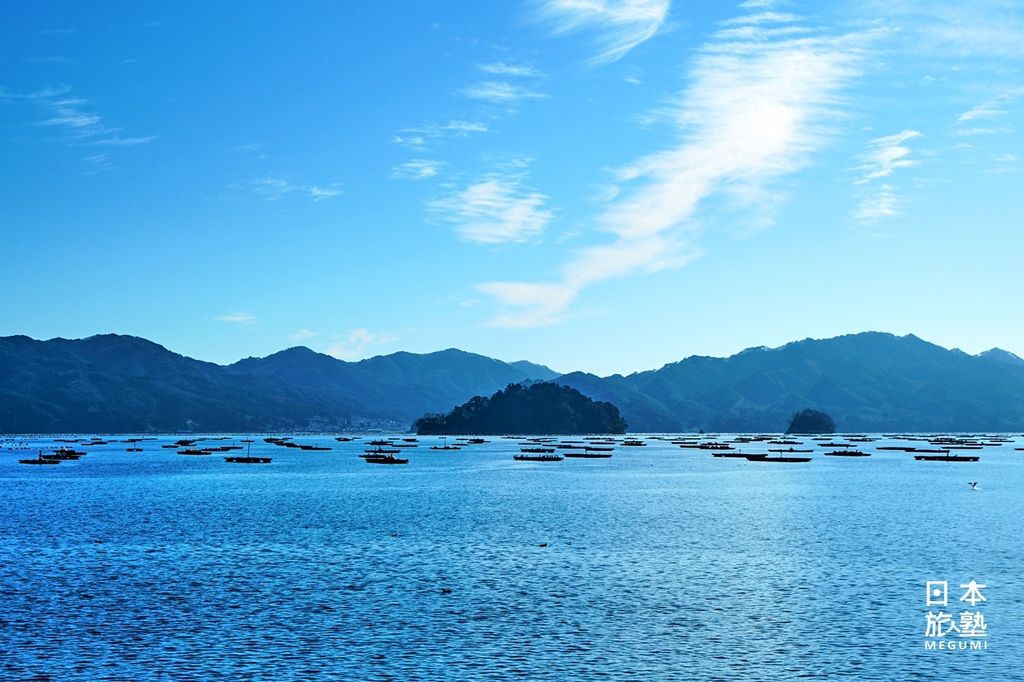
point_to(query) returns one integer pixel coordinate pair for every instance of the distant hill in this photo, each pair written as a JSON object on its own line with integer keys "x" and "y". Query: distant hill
{"x": 538, "y": 408}
{"x": 122, "y": 383}
{"x": 866, "y": 382}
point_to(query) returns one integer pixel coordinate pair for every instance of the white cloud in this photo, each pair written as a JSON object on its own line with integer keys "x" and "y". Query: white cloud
{"x": 497, "y": 209}
{"x": 756, "y": 110}
{"x": 75, "y": 117}
{"x": 417, "y": 138}
{"x": 118, "y": 141}
{"x": 237, "y": 318}
{"x": 273, "y": 187}
{"x": 886, "y": 155}
{"x": 356, "y": 343}
{"x": 503, "y": 69}
{"x": 318, "y": 193}
{"x": 620, "y": 25}
{"x": 881, "y": 202}
{"x": 983, "y": 119}
{"x": 304, "y": 335}
{"x": 416, "y": 169}
{"x": 982, "y": 111}
{"x": 501, "y": 92}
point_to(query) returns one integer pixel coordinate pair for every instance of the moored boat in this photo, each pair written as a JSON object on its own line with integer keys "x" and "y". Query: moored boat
{"x": 947, "y": 458}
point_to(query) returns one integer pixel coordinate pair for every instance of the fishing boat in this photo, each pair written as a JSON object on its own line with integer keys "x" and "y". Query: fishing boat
{"x": 445, "y": 446}
{"x": 378, "y": 452}
{"x": 537, "y": 458}
{"x": 588, "y": 454}
{"x": 735, "y": 455}
{"x": 947, "y": 458}
{"x": 194, "y": 452}
{"x": 787, "y": 450}
{"x": 384, "y": 459}
{"x": 537, "y": 451}
{"x": 247, "y": 458}
{"x": 784, "y": 460}
{"x": 633, "y": 443}
{"x": 39, "y": 460}
{"x": 64, "y": 455}
{"x": 847, "y": 453}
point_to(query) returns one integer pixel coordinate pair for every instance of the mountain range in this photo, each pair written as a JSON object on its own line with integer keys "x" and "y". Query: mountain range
{"x": 867, "y": 382}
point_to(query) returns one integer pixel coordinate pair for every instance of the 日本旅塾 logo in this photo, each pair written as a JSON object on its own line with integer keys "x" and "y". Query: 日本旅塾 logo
{"x": 946, "y": 628}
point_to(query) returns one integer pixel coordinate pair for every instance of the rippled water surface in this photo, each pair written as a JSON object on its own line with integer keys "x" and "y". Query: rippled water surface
{"x": 661, "y": 563}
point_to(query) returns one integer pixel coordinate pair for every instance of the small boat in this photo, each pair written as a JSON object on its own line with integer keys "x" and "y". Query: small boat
{"x": 735, "y": 455}
{"x": 378, "y": 452}
{"x": 587, "y": 454}
{"x": 379, "y": 442}
{"x": 787, "y": 450}
{"x": 39, "y": 460}
{"x": 946, "y": 458}
{"x": 445, "y": 446}
{"x": 194, "y": 451}
{"x": 170, "y": 446}
{"x": 591, "y": 448}
{"x": 633, "y": 443}
{"x": 787, "y": 460}
{"x": 537, "y": 458}
{"x": 537, "y": 451}
{"x": 64, "y": 455}
{"x": 847, "y": 453}
{"x": 343, "y": 439}
{"x": 247, "y": 458}
{"x": 385, "y": 459}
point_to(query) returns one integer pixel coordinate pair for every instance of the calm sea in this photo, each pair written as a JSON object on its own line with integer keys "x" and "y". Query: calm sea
{"x": 660, "y": 563}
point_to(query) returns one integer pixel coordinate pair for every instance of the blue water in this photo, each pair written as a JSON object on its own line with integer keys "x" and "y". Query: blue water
{"x": 660, "y": 563}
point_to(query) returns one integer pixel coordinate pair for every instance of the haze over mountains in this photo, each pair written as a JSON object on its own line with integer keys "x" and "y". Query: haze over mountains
{"x": 866, "y": 382}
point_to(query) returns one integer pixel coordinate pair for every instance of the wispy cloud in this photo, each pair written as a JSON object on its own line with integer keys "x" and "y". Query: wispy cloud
{"x": 880, "y": 202}
{"x": 497, "y": 209}
{"x": 236, "y": 318}
{"x": 756, "y": 110}
{"x": 417, "y": 169}
{"x": 74, "y": 117}
{"x": 501, "y": 92}
{"x": 418, "y": 138}
{"x": 504, "y": 69}
{"x": 885, "y": 155}
{"x": 304, "y": 335}
{"x": 357, "y": 343}
{"x": 989, "y": 117}
{"x": 274, "y": 187}
{"x": 618, "y": 25}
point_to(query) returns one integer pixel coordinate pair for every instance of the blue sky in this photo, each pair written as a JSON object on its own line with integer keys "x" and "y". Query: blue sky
{"x": 596, "y": 185}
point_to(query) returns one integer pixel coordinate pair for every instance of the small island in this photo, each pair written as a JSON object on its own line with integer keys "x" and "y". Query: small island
{"x": 540, "y": 408}
{"x": 811, "y": 421}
